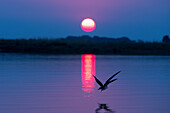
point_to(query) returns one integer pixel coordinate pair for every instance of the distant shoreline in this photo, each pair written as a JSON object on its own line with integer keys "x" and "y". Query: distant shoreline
{"x": 44, "y": 54}
{"x": 84, "y": 45}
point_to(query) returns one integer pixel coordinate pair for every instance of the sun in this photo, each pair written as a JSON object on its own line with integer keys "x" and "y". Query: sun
{"x": 88, "y": 25}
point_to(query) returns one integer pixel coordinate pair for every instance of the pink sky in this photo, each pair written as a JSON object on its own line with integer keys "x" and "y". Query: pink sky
{"x": 137, "y": 19}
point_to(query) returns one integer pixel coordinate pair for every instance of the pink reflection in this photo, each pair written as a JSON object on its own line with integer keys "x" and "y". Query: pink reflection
{"x": 88, "y": 68}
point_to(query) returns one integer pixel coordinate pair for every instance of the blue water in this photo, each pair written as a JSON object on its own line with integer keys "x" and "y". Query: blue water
{"x": 53, "y": 84}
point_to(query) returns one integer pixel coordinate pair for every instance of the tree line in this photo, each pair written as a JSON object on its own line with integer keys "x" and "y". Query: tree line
{"x": 86, "y": 45}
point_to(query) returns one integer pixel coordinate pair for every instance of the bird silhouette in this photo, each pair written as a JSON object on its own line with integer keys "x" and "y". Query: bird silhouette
{"x": 105, "y": 86}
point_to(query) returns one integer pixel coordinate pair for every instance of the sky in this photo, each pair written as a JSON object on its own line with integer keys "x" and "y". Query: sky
{"x": 147, "y": 20}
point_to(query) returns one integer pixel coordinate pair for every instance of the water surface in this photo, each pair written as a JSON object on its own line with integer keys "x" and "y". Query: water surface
{"x": 63, "y": 84}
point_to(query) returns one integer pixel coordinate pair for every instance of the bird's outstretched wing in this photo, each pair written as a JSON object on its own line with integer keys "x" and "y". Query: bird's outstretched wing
{"x": 108, "y": 81}
{"x": 112, "y": 80}
{"x": 97, "y": 80}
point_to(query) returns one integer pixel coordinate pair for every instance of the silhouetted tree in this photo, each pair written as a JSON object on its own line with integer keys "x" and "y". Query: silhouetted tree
{"x": 166, "y": 39}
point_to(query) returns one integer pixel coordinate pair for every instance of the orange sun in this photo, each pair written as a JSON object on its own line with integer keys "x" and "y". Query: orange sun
{"x": 88, "y": 25}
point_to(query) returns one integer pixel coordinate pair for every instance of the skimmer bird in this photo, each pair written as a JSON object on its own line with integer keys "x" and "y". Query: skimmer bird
{"x": 105, "y": 86}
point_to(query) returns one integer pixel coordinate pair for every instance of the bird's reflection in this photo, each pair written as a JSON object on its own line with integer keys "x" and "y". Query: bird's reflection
{"x": 104, "y": 107}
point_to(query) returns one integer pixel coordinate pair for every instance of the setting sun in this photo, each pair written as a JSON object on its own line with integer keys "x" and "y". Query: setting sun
{"x": 88, "y": 25}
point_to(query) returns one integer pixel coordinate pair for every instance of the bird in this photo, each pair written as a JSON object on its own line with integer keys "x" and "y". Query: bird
{"x": 105, "y": 85}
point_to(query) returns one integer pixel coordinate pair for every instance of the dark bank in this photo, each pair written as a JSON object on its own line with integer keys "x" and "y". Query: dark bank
{"x": 86, "y": 45}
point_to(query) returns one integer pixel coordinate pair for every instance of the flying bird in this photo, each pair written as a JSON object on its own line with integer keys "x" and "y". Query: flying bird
{"x": 105, "y": 86}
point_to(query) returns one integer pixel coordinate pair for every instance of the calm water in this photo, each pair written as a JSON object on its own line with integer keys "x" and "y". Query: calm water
{"x": 63, "y": 84}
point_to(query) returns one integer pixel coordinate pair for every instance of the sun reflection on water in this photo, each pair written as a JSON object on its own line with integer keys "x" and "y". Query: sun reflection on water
{"x": 88, "y": 68}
